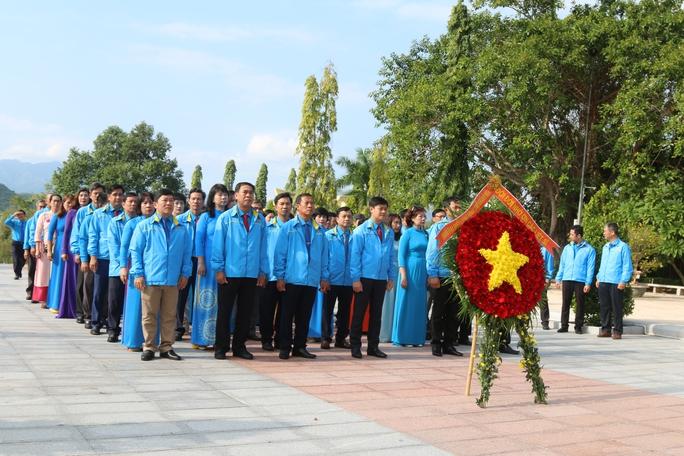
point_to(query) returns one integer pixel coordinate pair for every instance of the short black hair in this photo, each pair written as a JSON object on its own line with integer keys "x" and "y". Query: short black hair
{"x": 164, "y": 192}
{"x": 269, "y": 212}
{"x": 197, "y": 190}
{"x": 451, "y": 199}
{"x": 377, "y": 201}
{"x": 130, "y": 195}
{"x": 321, "y": 211}
{"x": 360, "y": 217}
{"x": 612, "y": 226}
{"x": 239, "y": 185}
{"x": 179, "y": 196}
{"x": 343, "y": 209}
{"x": 437, "y": 211}
{"x": 116, "y": 187}
{"x": 146, "y": 195}
{"x": 96, "y": 185}
{"x": 280, "y": 196}
{"x": 302, "y": 195}
{"x": 578, "y": 230}
{"x": 81, "y": 190}
{"x": 402, "y": 213}
{"x": 22, "y": 211}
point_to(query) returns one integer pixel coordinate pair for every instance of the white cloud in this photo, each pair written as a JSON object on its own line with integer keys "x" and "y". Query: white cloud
{"x": 248, "y": 83}
{"x": 437, "y": 11}
{"x": 19, "y": 125}
{"x": 27, "y": 140}
{"x": 276, "y": 147}
{"x": 200, "y": 32}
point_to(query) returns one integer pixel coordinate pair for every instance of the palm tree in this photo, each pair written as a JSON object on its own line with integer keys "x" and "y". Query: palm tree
{"x": 354, "y": 183}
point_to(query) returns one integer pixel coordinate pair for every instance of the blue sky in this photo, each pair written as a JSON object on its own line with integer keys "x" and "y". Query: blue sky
{"x": 220, "y": 79}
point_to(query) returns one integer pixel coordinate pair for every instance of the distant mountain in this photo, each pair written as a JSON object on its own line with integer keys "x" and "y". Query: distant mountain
{"x": 5, "y": 196}
{"x": 24, "y": 177}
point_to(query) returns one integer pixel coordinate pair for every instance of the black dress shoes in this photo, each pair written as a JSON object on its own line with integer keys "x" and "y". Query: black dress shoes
{"x": 302, "y": 353}
{"x": 508, "y": 350}
{"x": 342, "y": 344}
{"x": 242, "y": 353}
{"x": 179, "y": 336}
{"x": 284, "y": 354}
{"x": 356, "y": 353}
{"x": 450, "y": 350}
{"x": 562, "y": 330}
{"x": 95, "y": 331}
{"x": 88, "y": 324}
{"x": 147, "y": 355}
{"x": 436, "y": 350}
{"x": 80, "y": 320}
{"x": 219, "y": 354}
{"x": 170, "y": 355}
{"x": 267, "y": 346}
{"x": 376, "y": 352}
{"x": 545, "y": 326}
{"x": 112, "y": 338}
{"x": 325, "y": 345}
{"x": 578, "y": 331}
{"x": 28, "y": 297}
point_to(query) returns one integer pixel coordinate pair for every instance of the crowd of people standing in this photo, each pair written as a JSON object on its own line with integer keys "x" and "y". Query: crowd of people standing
{"x": 146, "y": 270}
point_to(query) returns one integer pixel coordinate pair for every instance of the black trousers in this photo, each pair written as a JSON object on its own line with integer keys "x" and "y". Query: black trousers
{"x": 445, "y": 322}
{"x": 31, "y": 274}
{"x": 570, "y": 288}
{"x": 297, "y": 303}
{"x": 100, "y": 292}
{"x": 269, "y": 310}
{"x": 18, "y": 257}
{"x": 372, "y": 297}
{"x": 343, "y": 295}
{"x": 544, "y": 306}
{"x": 115, "y": 300}
{"x": 85, "y": 284}
{"x": 611, "y": 301}
{"x": 239, "y": 291}
{"x": 183, "y": 298}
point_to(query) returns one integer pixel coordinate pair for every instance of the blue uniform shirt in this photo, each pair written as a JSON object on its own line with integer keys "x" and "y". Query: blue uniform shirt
{"x": 272, "y": 232}
{"x": 160, "y": 258}
{"x": 237, "y": 252}
{"x": 548, "y": 263}
{"x": 577, "y": 263}
{"x": 370, "y": 257}
{"x": 189, "y": 221}
{"x": 30, "y": 234}
{"x": 17, "y": 227}
{"x": 75, "y": 243}
{"x": 433, "y": 254}
{"x": 114, "y": 235}
{"x": 616, "y": 263}
{"x": 297, "y": 263}
{"x": 339, "y": 256}
{"x": 98, "y": 231}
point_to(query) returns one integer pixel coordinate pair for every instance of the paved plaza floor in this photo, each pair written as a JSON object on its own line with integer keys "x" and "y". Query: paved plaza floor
{"x": 66, "y": 392}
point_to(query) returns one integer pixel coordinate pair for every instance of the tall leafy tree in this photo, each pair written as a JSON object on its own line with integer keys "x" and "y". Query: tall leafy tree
{"x": 229, "y": 174}
{"x": 291, "y": 184}
{"x": 354, "y": 183}
{"x": 196, "y": 180}
{"x": 261, "y": 182}
{"x": 318, "y": 122}
{"x": 378, "y": 179}
{"x": 138, "y": 159}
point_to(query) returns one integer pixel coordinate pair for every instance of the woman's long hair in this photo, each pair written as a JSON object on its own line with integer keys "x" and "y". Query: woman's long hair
{"x": 211, "y": 206}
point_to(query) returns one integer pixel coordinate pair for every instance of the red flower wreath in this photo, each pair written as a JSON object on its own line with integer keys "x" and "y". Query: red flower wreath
{"x": 483, "y": 235}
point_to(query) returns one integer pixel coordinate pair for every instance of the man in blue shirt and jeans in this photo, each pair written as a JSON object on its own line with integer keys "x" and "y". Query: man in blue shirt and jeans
{"x": 614, "y": 274}
{"x": 17, "y": 224}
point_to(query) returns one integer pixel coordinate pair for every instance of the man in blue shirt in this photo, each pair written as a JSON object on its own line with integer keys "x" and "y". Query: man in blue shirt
{"x": 339, "y": 261}
{"x": 373, "y": 269}
{"x": 79, "y": 248}
{"x": 301, "y": 268}
{"x": 446, "y": 303}
{"x": 30, "y": 246}
{"x": 160, "y": 266}
{"x": 576, "y": 273}
{"x": 269, "y": 296}
{"x": 189, "y": 221}
{"x": 117, "y": 290}
{"x": 98, "y": 253}
{"x": 614, "y": 274}
{"x": 239, "y": 257}
{"x": 17, "y": 224}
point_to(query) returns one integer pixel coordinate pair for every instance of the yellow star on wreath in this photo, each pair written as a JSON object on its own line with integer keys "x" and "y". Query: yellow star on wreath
{"x": 505, "y": 263}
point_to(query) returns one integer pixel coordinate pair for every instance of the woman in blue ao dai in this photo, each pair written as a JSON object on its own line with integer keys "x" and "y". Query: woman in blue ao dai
{"x": 410, "y": 312}
{"x": 206, "y": 304}
{"x": 55, "y": 236}
{"x": 387, "y": 320}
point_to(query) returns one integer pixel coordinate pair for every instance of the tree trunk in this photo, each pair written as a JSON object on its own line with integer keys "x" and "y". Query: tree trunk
{"x": 677, "y": 270}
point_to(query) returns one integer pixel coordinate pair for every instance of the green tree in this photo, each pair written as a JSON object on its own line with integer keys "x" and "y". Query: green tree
{"x": 137, "y": 159}
{"x": 378, "y": 179}
{"x": 229, "y": 174}
{"x": 291, "y": 184}
{"x": 196, "y": 181}
{"x": 354, "y": 183}
{"x": 261, "y": 181}
{"x": 318, "y": 122}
